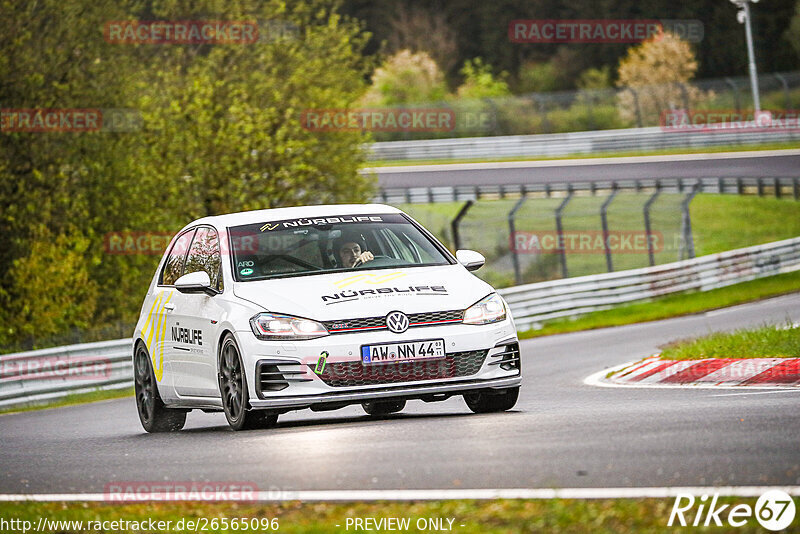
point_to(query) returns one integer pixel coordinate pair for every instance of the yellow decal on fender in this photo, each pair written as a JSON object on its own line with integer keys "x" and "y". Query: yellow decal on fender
{"x": 155, "y": 329}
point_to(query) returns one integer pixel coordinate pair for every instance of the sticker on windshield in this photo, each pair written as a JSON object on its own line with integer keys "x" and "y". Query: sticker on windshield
{"x": 324, "y": 221}
{"x": 246, "y": 272}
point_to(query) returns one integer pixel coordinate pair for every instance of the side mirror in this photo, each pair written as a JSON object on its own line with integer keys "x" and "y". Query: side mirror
{"x": 470, "y": 259}
{"x": 197, "y": 282}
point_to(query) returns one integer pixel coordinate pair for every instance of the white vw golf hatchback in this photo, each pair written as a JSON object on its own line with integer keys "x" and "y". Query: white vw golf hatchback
{"x": 263, "y": 312}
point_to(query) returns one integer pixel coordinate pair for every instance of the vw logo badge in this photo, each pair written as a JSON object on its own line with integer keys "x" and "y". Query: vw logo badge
{"x": 397, "y": 322}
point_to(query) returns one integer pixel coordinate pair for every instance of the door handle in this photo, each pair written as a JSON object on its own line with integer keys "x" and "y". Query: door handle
{"x": 169, "y": 306}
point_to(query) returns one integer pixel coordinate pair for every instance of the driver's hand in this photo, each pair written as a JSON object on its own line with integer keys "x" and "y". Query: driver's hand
{"x": 363, "y": 258}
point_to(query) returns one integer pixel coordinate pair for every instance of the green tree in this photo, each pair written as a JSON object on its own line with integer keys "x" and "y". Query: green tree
{"x": 657, "y": 68}
{"x": 221, "y": 132}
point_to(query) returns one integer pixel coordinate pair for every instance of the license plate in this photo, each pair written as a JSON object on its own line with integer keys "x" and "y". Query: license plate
{"x": 402, "y": 352}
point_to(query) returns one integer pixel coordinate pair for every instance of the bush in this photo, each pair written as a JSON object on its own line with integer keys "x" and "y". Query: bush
{"x": 539, "y": 78}
{"x": 404, "y": 78}
{"x": 480, "y": 83}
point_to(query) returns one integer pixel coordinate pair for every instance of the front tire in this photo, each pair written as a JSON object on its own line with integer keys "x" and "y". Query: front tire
{"x": 378, "y": 408}
{"x": 234, "y": 393}
{"x": 486, "y": 402}
{"x": 153, "y": 414}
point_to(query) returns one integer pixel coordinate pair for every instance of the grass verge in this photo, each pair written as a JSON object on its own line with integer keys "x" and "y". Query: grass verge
{"x": 664, "y": 152}
{"x": 77, "y": 398}
{"x": 771, "y": 341}
{"x": 674, "y": 305}
{"x": 477, "y": 517}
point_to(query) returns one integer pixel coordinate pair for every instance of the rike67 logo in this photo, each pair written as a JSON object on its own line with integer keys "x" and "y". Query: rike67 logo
{"x": 774, "y": 510}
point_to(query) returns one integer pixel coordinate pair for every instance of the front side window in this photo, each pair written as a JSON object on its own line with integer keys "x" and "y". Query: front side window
{"x": 204, "y": 255}
{"x": 173, "y": 267}
{"x": 294, "y": 247}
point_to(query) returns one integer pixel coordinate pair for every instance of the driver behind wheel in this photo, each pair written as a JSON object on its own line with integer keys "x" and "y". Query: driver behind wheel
{"x": 350, "y": 252}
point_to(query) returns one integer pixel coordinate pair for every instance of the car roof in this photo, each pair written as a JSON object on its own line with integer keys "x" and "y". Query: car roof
{"x": 298, "y": 212}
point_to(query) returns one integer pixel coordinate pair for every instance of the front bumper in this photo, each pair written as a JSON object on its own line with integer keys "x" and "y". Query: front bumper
{"x": 424, "y": 392}
{"x": 306, "y": 389}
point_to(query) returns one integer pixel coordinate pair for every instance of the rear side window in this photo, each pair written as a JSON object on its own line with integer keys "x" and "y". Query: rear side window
{"x": 173, "y": 267}
{"x": 205, "y": 256}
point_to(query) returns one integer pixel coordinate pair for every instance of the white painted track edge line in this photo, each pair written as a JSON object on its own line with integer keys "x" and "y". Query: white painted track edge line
{"x": 437, "y": 494}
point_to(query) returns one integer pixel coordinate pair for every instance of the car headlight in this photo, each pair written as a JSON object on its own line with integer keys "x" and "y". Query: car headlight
{"x": 276, "y": 326}
{"x": 491, "y": 309}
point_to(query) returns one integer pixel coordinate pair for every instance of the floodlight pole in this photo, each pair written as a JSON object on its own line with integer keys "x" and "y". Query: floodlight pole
{"x": 744, "y": 18}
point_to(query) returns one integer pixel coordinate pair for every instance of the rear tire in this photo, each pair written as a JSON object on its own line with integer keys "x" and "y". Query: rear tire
{"x": 485, "y": 402}
{"x": 234, "y": 394}
{"x": 378, "y": 408}
{"x": 153, "y": 414}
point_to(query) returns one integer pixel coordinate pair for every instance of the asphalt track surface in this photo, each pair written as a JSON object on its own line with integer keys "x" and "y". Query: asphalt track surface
{"x": 779, "y": 163}
{"x": 562, "y": 433}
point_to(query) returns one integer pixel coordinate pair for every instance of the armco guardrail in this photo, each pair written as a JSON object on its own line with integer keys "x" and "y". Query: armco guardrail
{"x": 41, "y": 375}
{"x": 596, "y": 142}
{"x": 533, "y": 303}
{"x": 777, "y": 186}
{"x": 46, "y": 374}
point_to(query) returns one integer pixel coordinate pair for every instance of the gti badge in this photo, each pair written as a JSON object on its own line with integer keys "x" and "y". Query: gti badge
{"x": 397, "y": 322}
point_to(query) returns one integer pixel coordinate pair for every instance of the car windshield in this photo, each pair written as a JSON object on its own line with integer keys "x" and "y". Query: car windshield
{"x": 293, "y": 247}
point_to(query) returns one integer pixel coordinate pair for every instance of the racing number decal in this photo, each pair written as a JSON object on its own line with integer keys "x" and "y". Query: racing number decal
{"x": 156, "y": 327}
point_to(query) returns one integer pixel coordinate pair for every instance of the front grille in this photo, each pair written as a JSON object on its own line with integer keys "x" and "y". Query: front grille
{"x": 456, "y": 364}
{"x": 379, "y": 323}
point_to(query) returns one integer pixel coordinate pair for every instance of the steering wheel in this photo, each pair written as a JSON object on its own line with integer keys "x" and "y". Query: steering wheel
{"x": 371, "y": 262}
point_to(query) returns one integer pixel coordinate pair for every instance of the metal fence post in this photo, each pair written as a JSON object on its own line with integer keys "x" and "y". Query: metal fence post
{"x": 454, "y": 224}
{"x": 686, "y": 223}
{"x": 589, "y": 110}
{"x": 543, "y": 110}
{"x": 796, "y": 188}
{"x": 787, "y": 99}
{"x": 560, "y": 232}
{"x": 512, "y": 239}
{"x": 604, "y": 223}
{"x": 684, "y": 96}
{"x": 636, "y": 106}
{"x": 737, "y": 102}
{"x": 647, "y": 229}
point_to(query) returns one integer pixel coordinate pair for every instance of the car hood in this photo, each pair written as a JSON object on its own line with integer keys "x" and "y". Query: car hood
{"x": 367, "y": 293}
